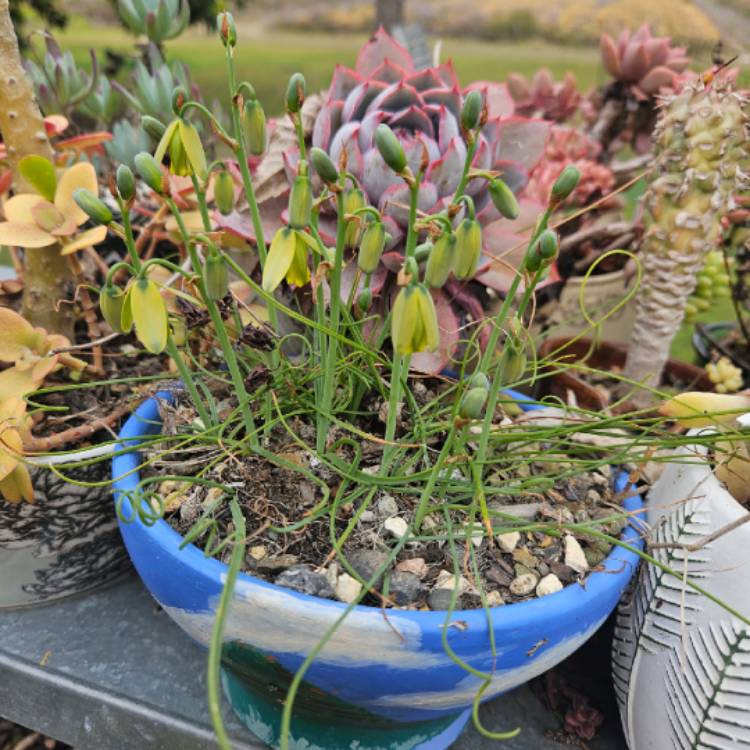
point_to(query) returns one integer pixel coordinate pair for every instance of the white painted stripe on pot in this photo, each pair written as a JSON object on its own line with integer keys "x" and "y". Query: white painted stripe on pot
{"x": 465, "y": 691}
{"x": 256, "y": 613}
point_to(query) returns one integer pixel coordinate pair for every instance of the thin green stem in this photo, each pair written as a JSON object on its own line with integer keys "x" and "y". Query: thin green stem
{"x": 221, "y": 332}
{"x": 217, "y": 634}
{"x": 470, "y": 151}
{"x": 329, "y": 368}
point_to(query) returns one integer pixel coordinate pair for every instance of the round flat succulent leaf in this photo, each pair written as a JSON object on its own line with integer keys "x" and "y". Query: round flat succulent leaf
{"x": 90, "y": 237}
{"x": 20, "y": 207}
{"x": 81, "y": 175}
{"x": 40, "y": 173}
{"x": 21, "y": 234}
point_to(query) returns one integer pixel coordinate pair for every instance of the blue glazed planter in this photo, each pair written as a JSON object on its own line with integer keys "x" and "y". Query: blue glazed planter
{"x": 380, "y": 683}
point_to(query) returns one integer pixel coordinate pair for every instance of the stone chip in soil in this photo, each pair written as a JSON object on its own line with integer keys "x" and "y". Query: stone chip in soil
{"x": 404, "y": 587}
{"x": 304, "y": 580}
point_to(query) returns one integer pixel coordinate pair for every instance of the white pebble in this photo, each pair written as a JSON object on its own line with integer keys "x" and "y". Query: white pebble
{"x": 347, "y": 588}
{"x": 396, "y": 526}
{"x": 523, "y": 584}
{"x": 574, "y": 555}
{"x": 508, "y": 542}
{"x": 448, "y": 580}
{"x": 550, "y": 584}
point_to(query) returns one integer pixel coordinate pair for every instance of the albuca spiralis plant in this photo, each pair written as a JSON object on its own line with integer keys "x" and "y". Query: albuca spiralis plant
{"x": 283, "y": 367}
{"x": 702, "y": 152}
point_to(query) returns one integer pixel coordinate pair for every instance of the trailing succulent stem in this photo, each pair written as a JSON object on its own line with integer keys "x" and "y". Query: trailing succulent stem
{"x": 702, "y": 157}
{"x": 48, "y": 277}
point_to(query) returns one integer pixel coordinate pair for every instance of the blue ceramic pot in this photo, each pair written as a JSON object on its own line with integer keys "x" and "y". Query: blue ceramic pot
{"x": 382, "y": 682}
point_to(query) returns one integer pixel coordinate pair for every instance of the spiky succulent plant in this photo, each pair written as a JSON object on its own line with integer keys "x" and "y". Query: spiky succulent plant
{"x": 159, "y": 20}
{"x": 703, "y": 151}
{"x": 545, "y": 97}
{"x": 59, "y": 83}
{"x": 423, "y": 107}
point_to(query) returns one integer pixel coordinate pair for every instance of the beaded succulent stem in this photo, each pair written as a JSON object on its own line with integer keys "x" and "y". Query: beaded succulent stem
{"x": 702, "y": 154}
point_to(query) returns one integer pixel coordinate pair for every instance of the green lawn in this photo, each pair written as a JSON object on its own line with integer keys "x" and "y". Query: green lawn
{"x": 267, "y": 57}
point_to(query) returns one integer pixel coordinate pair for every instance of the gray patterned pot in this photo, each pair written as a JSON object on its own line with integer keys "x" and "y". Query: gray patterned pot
{"x": 66, "y": 543}
{"x": 681, "y": 663}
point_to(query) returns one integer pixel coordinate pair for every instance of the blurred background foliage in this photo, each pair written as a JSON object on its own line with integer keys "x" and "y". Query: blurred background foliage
{"x": 487, "y": 38}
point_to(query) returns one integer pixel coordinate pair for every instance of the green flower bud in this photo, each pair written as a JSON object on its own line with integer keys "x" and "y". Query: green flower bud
{"x": 227, "y": 29}
{"x": 512, "y": 363}
{"x": 125, "y": 182}
{"x": 390, "y": 148}
{"x": 371, "y": 246}
{"x": 254, "y": 125}
{"x": 503, "y": 198}
{"x": 548, "y": 244}
{"x": 565, "y": 184}
{"x": 468, "y": 248}
{"x": 365, "y": 299}
{"x": 441, "y": 260}
{"x": 473, "y": 402}
{"x": 423, "y": 250}
{"x": 411, "y": 268}
{"x": 95, "y": 208}
{"x": 533, "y": 259}
{"x": 295, "y": 93}
{"x": 300, "y": 200}
{"x": 471, "y": 111}
{"x": 479, "y": 380}
{"x": 179, "y": 97}
{"x": 323, "y": 165}
{"x": 111, "y": 300}
{"x": 353, "y": 200}
{"x": 149, "y": 170}
{"x": 224, "y": 192}
{"x": 216, "y": 276}
{"x": 153, "y": 127}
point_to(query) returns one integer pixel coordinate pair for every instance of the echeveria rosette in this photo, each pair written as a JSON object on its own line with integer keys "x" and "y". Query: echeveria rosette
{"x": 647, "y": 64}
{"x": 571, "y": 147}
{"x": 423, "y": 108}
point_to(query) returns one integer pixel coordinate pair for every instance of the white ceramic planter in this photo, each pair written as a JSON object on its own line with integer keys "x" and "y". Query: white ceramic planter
{"x": 681, "y": 663}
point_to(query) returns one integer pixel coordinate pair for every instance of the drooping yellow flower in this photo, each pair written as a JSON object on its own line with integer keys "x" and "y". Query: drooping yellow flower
{"x": 145, "y": 310}
{"x": 52, "y": 215}
{"x": 414, "y": 325}
{"x": 186, "y": 154}
{"x": 287, "y": 259}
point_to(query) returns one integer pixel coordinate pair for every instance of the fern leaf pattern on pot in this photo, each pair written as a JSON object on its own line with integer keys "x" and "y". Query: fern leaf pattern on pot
{"x": 681, "y": 662}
